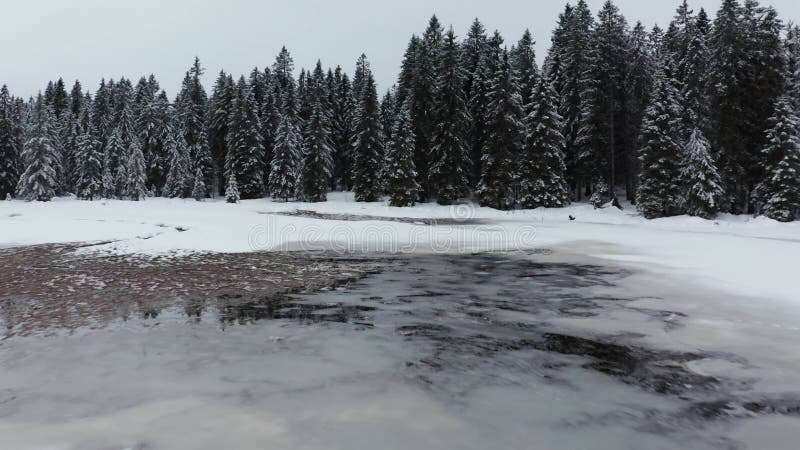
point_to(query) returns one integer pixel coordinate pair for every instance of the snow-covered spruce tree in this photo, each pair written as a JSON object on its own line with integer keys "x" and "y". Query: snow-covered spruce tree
{"x": 8, "y": 146}
{"x": 602, "y": 97}
{"x": 199, "y": 190}
{"x": 219, "y": 116}
{"x": 781, "y": 190}
{"x": 90, "y": 162}
{"x": 542, "y": 181}
{"x": 474, "y": 53}
{"x": 503, "y": 142}
{"x": 572, "y": 51}
{"x": 523, "y": 63}
{"x": 659, "y": 193}
{"x": 317, "y": 162}
{"x": 449, "y": 167}
{"x": 191, "y": 106}
{"x": 601, "y": 194}
{"x": 232, "y": 190}
{"x": 402, "y": 184}
{"x": 136, "y": 184}
{"x": 152, "y": 124}
{"x": 368, "y": 146}
{"x": 179, "y": 175}
{"x": 694, "y": 70}
{"x": 779, "y": 193}
{"x": 422, "y": 65}
{"x": 342, "y": 130}
{"x": 703, "y": 184}
{"x": 107, "y": 179}
{"x": 245, "y": 152}
{"x": 38, "y": 182}
{"x": 285, "y": 159}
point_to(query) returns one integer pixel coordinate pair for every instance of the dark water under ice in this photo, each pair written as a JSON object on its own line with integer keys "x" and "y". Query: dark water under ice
{"x": 476, "y": 351}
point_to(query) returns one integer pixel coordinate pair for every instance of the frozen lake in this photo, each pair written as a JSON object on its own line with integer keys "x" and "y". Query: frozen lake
{"x": 526, "y": 350}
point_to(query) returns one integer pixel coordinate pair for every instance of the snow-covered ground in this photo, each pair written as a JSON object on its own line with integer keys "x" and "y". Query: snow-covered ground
{"x": 740, "y": 254}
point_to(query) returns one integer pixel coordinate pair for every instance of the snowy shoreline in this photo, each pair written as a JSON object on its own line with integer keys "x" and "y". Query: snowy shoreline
{"x": 740, "y": 254}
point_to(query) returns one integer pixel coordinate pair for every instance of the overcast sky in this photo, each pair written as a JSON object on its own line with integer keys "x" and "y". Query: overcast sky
{"x": 90, "y": 39}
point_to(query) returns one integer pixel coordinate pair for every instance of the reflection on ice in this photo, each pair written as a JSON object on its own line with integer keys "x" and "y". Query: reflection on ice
{"x": 537, "y": 352}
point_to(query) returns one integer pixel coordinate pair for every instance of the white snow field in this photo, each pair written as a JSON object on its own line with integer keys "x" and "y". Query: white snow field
{"x": 453, "y": 354}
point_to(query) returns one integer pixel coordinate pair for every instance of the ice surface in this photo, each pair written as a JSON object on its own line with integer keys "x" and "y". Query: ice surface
{"x": 540, "y": 351}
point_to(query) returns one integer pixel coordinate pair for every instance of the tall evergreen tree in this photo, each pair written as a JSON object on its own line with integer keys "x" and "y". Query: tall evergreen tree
{"x": 601, "y": 135}
{"x": 191, "y": 106}
{"x": 284, "y": 170}
{"x": 542, "y": 179}
{"x": 423, "y": 104}
{"x": 504, "y": 140}
{"x": 136, "y": 183}
{"x": 474, "y": 55}
{"x": 245, "y": 157}
{"x": 317, "y": 162}
{"x": 704, "y": 190}
{"x": 778, "y": 194}
{"x": 523, "y": 62}
{"x": 659, "y": 189}
{"x": 342, "y": 118}
{"x": 638, "y": 85}
{"x": 219, "y": 116}
{"x": 89, "y": 156}
{"x": 450, "y": 162}
{"x": 8, "y": 146}
{"x": 38, "y": 182}
{"x": 368, "y": 146}
{"x": 400, "y": 173}
{"x": 179, "y": 176}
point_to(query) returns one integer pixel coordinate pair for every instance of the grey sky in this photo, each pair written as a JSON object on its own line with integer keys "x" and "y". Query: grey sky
{"x": 90, "y": 39}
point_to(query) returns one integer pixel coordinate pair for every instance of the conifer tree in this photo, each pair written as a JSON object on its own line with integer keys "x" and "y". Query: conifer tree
{"x": 107, "y": 179}
{"x": 342, "y": 118}
{"x": 600, "y": 138}
{"x": 245, "y": 157}
{"x": 232, "y": 190}
{"x": 694, "y": 67}
{"x": 659, "y": 189}
{"x": 8, "y": 146}
{"x": 542, "y": 181}
{"x": 199, "y": 190}
{"x": 779, "y": 192}
{"x": 424, "y": 103}
{"x": 136, "y": 183}
{"x": 285, "y": 160}
{"x": 402, "y": 177}
{"x": 574, "y": 62}
{"x": 89, "y": 157}
{"x": 704, "y": 190}
{"x": 523, "y": 62}
{"x": 504, "y": 140}
{"x": 474, "y": 56}
{"x": 38, "y": 182}
{"x": 449, "y": 166}
{"x": 601, "y": 194}
{"x": 191, "y": 106}
{"x": 368, "y": 146}
{"x": 179, "y": 175}
{"x": 317, "y": 163}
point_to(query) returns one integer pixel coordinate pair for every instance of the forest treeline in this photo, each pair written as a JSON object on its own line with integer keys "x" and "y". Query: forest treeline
{"x": 697, "y": 118}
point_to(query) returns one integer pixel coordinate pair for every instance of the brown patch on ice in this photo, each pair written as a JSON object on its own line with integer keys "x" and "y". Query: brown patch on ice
{"x": 49, "y": 287}
{"x": 365, "y": 217}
